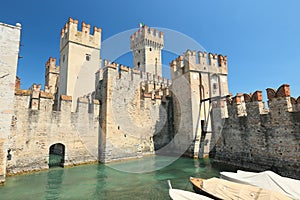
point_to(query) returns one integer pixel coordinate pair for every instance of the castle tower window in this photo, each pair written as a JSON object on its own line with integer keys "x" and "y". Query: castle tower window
{"x": 150, "y": 49}
{"x": 215, "y": 86}
{"x": 138, "y": 64}
{"x": 88, "y": 57}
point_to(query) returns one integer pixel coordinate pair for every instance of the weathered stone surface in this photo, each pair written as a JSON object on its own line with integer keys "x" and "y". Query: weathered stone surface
{"x": 259, "y": 141}
{"x": 131, "y": 125}
{"x": 9, "y": 51}
{"x": 134, "y": 112}
{"x": 46, "y": 95}
{"x": 36, "y": 130}
{"x": 66, "y": 98}
{"x": 146, "y": 45}
{"x": 22, "y": 92}
{"x": 195, "y": 84}
{"x": 80, "y": 59}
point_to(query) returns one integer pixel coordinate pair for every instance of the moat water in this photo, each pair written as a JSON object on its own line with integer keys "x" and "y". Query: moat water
{"x": 100, "y": 181}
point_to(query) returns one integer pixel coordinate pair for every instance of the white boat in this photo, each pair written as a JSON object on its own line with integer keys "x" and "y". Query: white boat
{"x": 228, "y": 190}
{"x": 266, "y": 180}
{"x": 177, "y": 194}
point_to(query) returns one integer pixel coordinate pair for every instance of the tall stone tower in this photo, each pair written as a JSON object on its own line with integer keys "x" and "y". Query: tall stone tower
{"x": 79, "y": 59}
{"x": 51, "y": 76}
{"x": 146, "y": 45}
{"x": 196, "y": 83}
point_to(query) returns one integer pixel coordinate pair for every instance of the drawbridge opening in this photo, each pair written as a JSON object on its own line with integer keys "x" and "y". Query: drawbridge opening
{"x": 56, "y": 155}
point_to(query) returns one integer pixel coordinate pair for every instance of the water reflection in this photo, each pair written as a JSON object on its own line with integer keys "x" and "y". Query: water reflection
{"x": 105, "y": 182}
{"x": 54, "y": 183}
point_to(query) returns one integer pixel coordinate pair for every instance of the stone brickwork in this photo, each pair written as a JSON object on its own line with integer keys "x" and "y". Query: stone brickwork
{"x": 124, "y": 112}
{"x": 9, "y": 52}
{"x": 134, "y": 113}
{"x": 51, "y": 77}
{"x": 79, "y": 59}
{"x": 146, "y": 45}
{"x": 195, "y": 82}
{"x": 259, "y": 139}
{"x": 36, "y": 127}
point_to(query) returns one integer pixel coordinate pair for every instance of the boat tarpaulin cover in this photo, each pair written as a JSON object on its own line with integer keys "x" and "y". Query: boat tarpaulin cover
{"x": 267, "y": 180}
{"x": 224, "y": 189}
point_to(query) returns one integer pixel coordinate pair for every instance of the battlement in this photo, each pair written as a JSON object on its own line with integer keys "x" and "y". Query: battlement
{"x": 267, "y": 136}
{"x": 147, "y": 36}
{"x": 71, "y": 33}
{"x": 199, "y": 61}
{"x": 279, "y": 101}
{"x": 152, "y": 86}
{"x": 51, "y": 66}
{"x": 37, "y": 99}
{"x": 124, "y": 72}
{"x": 282, "y": 91}
{"x": 51, "y": 76}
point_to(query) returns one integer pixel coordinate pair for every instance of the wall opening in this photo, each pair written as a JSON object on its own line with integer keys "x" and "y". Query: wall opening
{"x": 87, "y": 57}
{"x": 56, "y": 155}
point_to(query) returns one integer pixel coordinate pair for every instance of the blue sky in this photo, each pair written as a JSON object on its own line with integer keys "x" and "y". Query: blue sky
{"x": 260, "y": 38}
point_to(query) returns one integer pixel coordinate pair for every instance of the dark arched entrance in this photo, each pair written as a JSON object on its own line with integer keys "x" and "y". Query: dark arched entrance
{"x": 57, "y": 155}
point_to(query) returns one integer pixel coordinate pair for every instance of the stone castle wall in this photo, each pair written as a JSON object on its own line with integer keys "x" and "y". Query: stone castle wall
{"x": 9, "y": 52}
{"x": 36, "y": 127}
{"x": 134, "y": 113}
{"x": 255, "y": 138}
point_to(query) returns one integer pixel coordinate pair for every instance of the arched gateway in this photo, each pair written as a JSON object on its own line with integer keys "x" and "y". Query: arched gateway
{"x": 56, "y": 155}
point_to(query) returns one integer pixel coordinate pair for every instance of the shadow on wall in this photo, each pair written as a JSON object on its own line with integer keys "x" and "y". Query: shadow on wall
{"x": 164, "y": 130}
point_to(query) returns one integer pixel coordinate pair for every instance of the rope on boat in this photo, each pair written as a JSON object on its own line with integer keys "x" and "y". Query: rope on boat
{"x": 169, "y": 183}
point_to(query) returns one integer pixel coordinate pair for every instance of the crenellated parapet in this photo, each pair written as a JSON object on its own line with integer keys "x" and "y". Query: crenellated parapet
{"x": 279, "y": 100}
{"x": 35, "y": 96}
{"x": 258, "y": 138}
{"x": 37, "y": 127}
{"x": 152, "y": 86}
{"x": 51, "y": 76}
{"x": 71, "y": 33}
{"x": 295, "y": 104}
{"x": 147, "y": 36}
{"x": 280, "y": 103}
{"x": 246, "y": 105}
{"x": 199, "y": 61}
{"x": 51, "y": 66}
{"x": 37, "y": 99}
{"x": 154, "y": 90}
{"x": 124, "y": 72}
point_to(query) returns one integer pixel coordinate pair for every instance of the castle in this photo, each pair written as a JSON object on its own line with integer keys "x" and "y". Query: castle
{"x": 94, "y": 110}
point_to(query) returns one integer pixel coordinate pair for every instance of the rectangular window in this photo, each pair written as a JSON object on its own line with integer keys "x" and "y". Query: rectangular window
{"x": 87, "y": 57}
{"x": 215, "y": 86}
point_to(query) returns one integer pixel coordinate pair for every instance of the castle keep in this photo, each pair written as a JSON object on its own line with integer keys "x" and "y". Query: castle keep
{"x": 92, "y": 109}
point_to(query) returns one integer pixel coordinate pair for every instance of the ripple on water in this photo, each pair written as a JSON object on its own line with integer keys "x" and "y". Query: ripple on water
{"x": 107, "y": 182}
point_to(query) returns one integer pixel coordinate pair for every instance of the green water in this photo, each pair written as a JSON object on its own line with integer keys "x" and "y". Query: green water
{"x": 106, "y": 182}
